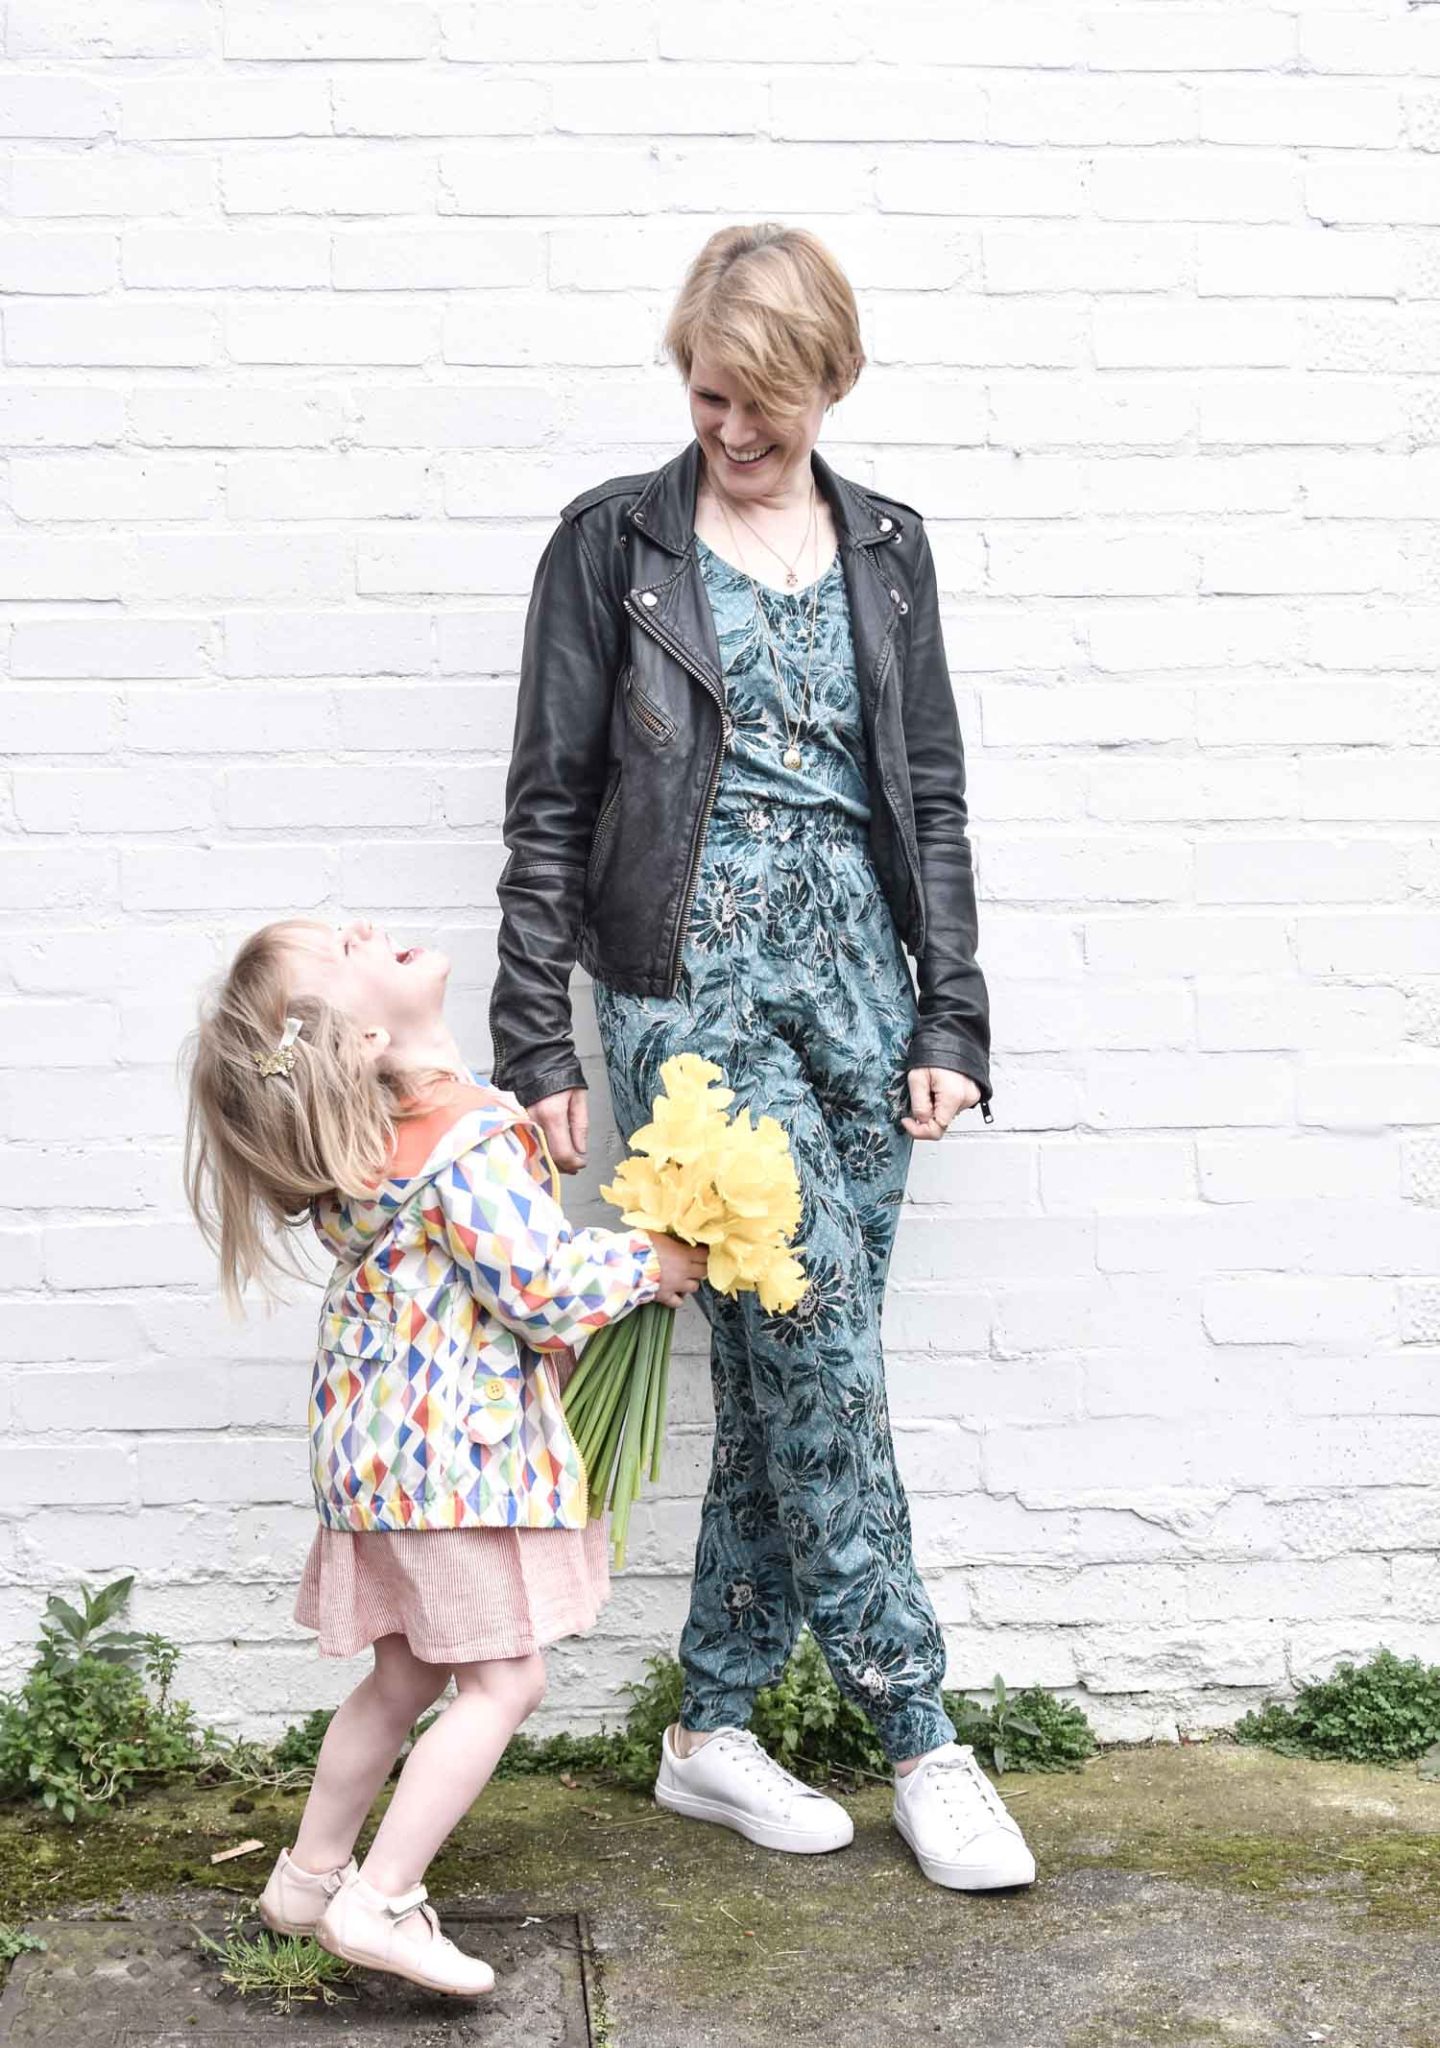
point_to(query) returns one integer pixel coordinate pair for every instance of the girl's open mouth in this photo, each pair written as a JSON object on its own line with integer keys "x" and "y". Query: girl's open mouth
{"x": 410, "y": 953}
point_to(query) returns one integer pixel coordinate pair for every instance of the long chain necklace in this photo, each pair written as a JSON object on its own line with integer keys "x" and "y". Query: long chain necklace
{"x": 792, "y": 756}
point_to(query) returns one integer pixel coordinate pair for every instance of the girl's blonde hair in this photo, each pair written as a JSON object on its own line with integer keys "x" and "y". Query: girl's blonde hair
{"x": 773, "y": 307}
{"x": 261, "y": 1149}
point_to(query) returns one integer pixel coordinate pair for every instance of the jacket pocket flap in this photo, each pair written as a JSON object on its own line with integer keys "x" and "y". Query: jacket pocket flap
{"x": 494, "y": 1408}
{"x": 356, "y": 1336}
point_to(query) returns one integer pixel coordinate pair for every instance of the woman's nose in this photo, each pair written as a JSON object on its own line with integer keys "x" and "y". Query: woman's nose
{"x": 358, "y": 928}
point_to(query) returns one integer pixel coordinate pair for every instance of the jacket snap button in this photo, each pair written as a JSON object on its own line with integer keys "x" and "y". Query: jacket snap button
{"x": 895, "y": 597}
{"x": 638, "y": 517}
{"x": 648, "y": 597}
{"x": 886, "y": 524}
{"x": 903, "y": 606}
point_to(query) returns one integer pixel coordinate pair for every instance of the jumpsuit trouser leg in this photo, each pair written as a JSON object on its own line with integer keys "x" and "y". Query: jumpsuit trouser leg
{"x": 804, "y": 1517}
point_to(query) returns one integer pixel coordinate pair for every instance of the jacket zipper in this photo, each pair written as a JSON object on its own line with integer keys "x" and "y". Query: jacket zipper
{"x": 691, "y": 667}
{"x": 598, "y": 837}
{"x": 651, "y": 719}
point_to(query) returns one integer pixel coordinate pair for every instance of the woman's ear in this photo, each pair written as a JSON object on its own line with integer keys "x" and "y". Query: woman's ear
{"x": 376, "y": 1042}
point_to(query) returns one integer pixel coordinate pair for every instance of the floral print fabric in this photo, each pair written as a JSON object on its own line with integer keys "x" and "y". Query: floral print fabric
{"x": 794, "y": 981}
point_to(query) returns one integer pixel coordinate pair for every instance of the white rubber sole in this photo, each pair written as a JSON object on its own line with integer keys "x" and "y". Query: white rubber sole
{"x": 764, "y": 1834}
{"x": 364, "y": 1961}
{"x": 966, "y": 1877}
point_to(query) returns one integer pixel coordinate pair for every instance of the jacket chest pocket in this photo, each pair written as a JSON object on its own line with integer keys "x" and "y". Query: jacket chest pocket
{"x": 643, "y": 713}
{"x": 365, "y": 1339}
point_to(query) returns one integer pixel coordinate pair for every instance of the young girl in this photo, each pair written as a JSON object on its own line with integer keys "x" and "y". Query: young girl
{"x": 326, "y": 1088}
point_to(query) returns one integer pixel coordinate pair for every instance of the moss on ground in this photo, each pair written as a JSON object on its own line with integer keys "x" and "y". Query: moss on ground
{"x": 1220, "y": 1815}
{"x": 684, "y": 1910}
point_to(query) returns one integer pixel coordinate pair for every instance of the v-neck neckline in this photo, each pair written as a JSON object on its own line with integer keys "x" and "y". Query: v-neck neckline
{"x": 804, "y": 590}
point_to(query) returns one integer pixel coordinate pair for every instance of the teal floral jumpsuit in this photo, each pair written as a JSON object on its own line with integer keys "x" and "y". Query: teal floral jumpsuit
{"x": 794, "y": 982}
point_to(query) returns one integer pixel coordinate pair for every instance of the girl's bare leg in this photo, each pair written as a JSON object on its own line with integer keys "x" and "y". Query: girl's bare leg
{"x": 449, "y": 1767}
{"x": 361, "y": 1744}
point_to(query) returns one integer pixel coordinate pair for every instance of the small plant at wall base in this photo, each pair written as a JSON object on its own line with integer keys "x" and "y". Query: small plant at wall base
{"x": 83, "y": 1728}
{"x": 1386, "y": 1711}
{"x": 804, "y": 1720}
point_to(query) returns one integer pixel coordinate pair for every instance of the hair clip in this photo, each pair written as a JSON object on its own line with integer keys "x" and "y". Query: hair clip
{"x": 282, "y": 1059}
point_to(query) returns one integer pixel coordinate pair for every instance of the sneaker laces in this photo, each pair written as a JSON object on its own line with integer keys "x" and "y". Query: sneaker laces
{"x": 960, "y": 1776}
{"x": 755, "y": 1758}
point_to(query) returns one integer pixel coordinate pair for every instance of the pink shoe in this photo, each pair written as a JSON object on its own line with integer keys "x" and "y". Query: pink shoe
{"x": 294, "y": 1899}
{"x": 401, "y": 1935}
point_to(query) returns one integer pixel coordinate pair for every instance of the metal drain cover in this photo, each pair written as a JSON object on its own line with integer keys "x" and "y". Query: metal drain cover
{"x": 149, "y": 1984}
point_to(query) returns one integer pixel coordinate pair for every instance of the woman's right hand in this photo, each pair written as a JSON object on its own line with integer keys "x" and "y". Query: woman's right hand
{"x": 565, "y": 1120}
{"x": 682, "y": 1267}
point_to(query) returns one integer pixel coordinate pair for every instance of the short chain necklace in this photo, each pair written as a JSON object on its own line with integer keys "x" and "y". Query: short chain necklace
{"x": 791, "y": 576}
{"x": 792, "y": 756}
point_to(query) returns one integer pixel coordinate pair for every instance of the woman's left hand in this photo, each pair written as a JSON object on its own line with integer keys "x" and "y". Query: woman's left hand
{"x": 937, "y": 1096}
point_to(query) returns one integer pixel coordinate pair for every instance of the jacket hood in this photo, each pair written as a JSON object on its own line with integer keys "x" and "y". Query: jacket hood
{"x": 462, "y": 1117}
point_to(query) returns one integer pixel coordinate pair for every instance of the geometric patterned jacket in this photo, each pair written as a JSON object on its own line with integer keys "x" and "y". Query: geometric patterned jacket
{"x": 450, "y": 1324}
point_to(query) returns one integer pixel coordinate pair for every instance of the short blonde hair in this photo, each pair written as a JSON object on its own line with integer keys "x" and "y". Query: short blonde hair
{"x": 773, "y": 307}
{"x": 261, "y": 1149}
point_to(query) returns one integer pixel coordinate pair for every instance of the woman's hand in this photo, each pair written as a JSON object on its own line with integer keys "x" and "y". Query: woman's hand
{"x": 937, "y": 1096}
{"x": 565, "y": 1120}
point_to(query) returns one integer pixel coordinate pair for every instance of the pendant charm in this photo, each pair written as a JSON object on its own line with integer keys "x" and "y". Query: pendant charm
{"x": 792, "y": 757}
{"x": 790, "y": 578}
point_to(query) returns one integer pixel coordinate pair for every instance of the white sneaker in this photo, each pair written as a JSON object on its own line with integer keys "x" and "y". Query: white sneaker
{"x": 401, "y": 1935}
{"x": 294, "y": 1899}
{"x": 959, "y": 1827}
{"x": 733, "y": 1782}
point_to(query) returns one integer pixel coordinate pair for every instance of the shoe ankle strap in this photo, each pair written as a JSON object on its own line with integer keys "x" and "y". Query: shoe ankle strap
{"x": 406, "y": 1902}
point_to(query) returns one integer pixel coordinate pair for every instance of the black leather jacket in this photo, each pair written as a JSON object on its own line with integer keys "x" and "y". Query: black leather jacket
{"x": 619, "y": 733}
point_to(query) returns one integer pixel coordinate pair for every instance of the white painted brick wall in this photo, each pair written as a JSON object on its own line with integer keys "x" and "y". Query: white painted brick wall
{"x": 315, "y": 314}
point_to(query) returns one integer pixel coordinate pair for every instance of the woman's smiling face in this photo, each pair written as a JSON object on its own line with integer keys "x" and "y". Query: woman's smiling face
{"x": 395, "y": 990}
{"x": 748, "y": 455}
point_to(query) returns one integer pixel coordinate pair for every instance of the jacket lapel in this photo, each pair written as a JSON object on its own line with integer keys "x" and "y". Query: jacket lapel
{"x": 664, "y": 513}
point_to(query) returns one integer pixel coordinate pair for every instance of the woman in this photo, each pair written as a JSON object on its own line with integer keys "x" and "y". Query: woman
{"x": 737, "y": 785}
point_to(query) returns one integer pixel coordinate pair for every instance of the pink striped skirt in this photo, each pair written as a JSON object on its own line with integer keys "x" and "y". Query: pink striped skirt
{"x": 458, "y": 1596}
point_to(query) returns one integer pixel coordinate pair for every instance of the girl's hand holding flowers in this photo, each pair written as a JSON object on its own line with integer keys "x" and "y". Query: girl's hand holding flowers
{"x": 682, "y": 1267}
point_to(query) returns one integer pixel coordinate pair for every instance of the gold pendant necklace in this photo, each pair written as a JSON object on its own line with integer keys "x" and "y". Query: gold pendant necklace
{"x": 791, "y": 570}
{"x": 792, "y": 757}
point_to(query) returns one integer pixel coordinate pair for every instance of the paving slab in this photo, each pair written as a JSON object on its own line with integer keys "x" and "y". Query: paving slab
{"x": 148, "y": 1983}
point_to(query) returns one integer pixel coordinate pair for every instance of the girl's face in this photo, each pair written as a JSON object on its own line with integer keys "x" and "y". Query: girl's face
{"x": 749, "y": 456}
{"x": 395, "y": 993}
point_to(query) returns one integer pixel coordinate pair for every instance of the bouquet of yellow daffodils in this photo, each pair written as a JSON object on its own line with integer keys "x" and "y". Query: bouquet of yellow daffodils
{"x": 709, "y": 1179}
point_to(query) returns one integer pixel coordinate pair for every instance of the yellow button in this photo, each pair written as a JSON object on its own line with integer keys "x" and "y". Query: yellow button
{"x": 495, "y": 1390}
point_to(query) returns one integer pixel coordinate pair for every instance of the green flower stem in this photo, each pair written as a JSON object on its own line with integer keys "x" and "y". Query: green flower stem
{"x": 600, "y": 1429}
{"x": 627, "y": 1477}
{"x": 613, "y": 1371}
{"x": 662, "y": 1394}
{"x": 605, "y": 1458}
{"x": 577, "y": 1405}
{"x": 586, "y": 1364}
{"x": 652, "y": 1314}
